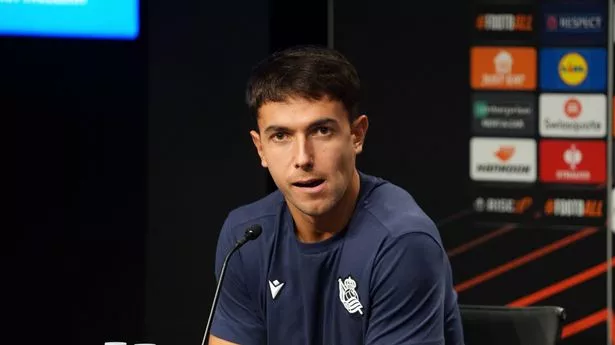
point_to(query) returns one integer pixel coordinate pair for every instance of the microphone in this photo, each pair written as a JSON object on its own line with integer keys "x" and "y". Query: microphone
{"x": 251, "y": 234}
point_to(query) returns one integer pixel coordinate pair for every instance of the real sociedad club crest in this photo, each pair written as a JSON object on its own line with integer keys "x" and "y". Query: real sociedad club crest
{"x": 349, "y": 296}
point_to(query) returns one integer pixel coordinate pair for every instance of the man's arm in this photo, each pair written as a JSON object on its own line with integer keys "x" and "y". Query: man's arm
{"x": 408, "y": 291}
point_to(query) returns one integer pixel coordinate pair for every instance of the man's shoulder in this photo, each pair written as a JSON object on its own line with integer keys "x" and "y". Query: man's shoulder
{"x": 398, "y": 212}
{"x": 260, "y": 211}
{"x": 268, "y": 205}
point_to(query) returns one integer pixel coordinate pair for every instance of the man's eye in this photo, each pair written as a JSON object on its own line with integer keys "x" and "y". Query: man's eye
{"x": 279, "y": 136}
{"x": 323, "y": 130}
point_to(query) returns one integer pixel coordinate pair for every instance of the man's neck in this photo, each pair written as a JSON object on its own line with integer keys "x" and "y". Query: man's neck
{"x": 315, "y": 229}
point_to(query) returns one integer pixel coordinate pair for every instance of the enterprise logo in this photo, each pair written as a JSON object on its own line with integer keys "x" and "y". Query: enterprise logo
{"x": 483, "y": 109}
{"x": 504, "y": 114}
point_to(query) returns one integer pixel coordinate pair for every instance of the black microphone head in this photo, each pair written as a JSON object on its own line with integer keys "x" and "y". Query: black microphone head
{"x": 253, "y": 232}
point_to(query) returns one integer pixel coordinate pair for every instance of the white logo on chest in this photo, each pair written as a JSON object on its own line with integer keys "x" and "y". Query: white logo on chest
{"x": 275, "y": 288}
{"x": 349, "y": 296}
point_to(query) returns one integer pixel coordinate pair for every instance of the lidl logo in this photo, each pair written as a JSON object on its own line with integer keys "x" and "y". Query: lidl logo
{"x": 573, "y": 69}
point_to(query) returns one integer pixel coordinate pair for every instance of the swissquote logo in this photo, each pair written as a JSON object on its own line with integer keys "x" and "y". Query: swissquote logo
{"x": 349, "y": 296}
{"x": 503, "y": 159}
{"x": 572, "y": 115}
{"x": 578, "y": 162}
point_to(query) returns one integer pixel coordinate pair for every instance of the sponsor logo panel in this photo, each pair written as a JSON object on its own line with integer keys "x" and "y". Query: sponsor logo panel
{"x": 502, "y": 23}
{"x": 503, "y": 68}
{"x": 574, "y": 207}
{"x": 573, "y": 24}
{"x": 573, "y": 69}
{"x": 503, "y": 159}
{"x": 503, "y": 204}
{"x": 572, "y": 162}
{"x": 572, "y": 115}
{"x": 509, "y": 114}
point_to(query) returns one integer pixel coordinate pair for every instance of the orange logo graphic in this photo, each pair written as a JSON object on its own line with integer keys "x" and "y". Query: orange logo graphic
{"x": 503, "y": 68}
{"x": 523, "y": 204}
{"x": 505, "y": 153}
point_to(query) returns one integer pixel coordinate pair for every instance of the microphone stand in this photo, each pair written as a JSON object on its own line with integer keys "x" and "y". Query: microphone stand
{"x": 251, "y": 233}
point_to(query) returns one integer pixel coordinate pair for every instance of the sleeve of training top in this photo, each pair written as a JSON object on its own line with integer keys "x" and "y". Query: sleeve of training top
{"x": 237, "y": 318}
{"x": 408, "y": 291}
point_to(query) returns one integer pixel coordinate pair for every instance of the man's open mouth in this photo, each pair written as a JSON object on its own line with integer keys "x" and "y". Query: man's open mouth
{"x": 309, "y": 183}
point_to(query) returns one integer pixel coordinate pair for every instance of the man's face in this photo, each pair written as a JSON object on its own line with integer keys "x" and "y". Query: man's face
{"x": 309, "y": 148}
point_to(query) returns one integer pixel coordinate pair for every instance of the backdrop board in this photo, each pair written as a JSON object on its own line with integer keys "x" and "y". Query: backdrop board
{"x": 539, "y": 149}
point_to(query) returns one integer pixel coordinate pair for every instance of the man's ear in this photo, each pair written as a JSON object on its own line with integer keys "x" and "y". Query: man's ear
{"x": 358, "y": 130}
{"x": 256, "y": 139}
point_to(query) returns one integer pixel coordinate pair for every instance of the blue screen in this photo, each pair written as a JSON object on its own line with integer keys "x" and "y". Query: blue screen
{"x": 103, "y": 19}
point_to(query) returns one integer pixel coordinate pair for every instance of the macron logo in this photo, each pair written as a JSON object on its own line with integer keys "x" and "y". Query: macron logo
{"x": 275, "y": 288}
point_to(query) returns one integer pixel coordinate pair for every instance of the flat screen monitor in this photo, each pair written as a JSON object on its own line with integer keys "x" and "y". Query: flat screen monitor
{"x": 96, "y": 19}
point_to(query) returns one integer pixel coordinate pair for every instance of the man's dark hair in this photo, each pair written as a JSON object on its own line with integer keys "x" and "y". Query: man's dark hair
{"x": 309, "y": 72}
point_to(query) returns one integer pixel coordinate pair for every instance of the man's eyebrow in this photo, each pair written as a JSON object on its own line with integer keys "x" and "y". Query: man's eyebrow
{"x": 274, "y": 128}
{"x": 317, "y": 123}
{"x": 323, "y": 122}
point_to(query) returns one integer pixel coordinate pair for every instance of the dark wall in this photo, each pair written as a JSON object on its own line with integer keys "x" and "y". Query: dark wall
{"x": 414, "y": 68}
{"x": 201, "y": 160}
{"x": 77, "y": 113}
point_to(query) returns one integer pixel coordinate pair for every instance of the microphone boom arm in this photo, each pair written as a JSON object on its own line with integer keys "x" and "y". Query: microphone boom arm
{"x": 251, "y": 233}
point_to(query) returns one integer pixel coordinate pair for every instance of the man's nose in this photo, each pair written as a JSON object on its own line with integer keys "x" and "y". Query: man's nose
{"x": 304, "y": 158}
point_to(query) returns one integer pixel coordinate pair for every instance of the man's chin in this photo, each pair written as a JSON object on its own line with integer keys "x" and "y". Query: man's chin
{"x": 313, "y": 209}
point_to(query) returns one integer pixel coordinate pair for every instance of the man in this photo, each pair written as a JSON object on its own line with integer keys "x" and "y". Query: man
{"x": 344, "y": 257}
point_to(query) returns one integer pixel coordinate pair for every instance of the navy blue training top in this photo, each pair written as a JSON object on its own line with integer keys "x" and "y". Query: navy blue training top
{"x": 385, "y": 279}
